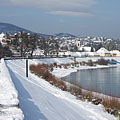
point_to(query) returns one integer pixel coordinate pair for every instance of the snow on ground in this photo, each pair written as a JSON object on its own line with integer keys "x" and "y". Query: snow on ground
{"x": 53, "y": 60}
{"x": 8, "y": 96}
{"x": 41, "y": 101}
{"x": 64, "y": 72}
{"x": 96, "y": 58}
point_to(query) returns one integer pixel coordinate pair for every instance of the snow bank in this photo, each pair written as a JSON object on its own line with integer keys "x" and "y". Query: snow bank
{"x": 8, "y": 96}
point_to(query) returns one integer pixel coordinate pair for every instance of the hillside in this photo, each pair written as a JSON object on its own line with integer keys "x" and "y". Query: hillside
{"x": 65, "y": 35}
{"x": 10, "y": 28}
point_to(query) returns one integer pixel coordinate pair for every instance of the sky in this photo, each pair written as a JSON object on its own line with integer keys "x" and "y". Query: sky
{"x": 99, "y": 18}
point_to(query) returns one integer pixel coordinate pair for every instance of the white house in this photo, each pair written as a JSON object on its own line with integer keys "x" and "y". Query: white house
{"x": 93, "y": 54}
{"x": 86, "y": 49}
{"x": 2, "y": 39}
{"x": 103, "y": 52}
{"x": 38, "y": 52}
{"x": 115, "y": 53}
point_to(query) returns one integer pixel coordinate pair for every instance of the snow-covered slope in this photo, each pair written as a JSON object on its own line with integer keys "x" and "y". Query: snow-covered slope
{"x": 41, "y": 101}
{"x": 8, "y": 96}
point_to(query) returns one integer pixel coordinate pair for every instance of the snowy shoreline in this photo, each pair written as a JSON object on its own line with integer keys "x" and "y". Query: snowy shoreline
{"x": 62, "y": 72}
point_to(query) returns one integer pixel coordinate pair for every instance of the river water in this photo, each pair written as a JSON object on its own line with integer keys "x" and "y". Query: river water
{"x": 105, "y": 80}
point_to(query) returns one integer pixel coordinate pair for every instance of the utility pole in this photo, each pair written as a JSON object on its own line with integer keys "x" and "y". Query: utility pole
{"x": 26, "y": 67}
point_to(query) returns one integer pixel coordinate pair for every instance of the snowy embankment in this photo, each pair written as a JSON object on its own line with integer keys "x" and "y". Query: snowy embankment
{"x": 62, "y": 72}
{"x": 8, "y": 96}
{"x": 39, "y": 100}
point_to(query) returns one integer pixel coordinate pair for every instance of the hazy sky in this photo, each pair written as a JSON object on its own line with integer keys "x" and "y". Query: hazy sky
{"x": 79, "y": 17}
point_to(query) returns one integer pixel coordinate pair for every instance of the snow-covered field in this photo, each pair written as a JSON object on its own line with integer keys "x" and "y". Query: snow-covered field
{"x": 41, "y": 101}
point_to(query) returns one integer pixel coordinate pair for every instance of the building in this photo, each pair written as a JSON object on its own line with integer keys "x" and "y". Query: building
{"x": 104, "y": 52}
{"x": 78, "y": 44}
{"x": 2, "y": 39}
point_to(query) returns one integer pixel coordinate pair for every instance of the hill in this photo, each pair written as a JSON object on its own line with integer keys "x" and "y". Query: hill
{"x": 10, "y": 28}
{"x": 65, "y": 35}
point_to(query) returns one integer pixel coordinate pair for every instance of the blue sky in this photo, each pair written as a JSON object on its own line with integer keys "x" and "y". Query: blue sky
{"x": 79, "y": 17}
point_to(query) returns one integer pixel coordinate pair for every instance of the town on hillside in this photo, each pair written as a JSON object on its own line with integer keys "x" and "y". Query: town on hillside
{"x": 22, "y": 44}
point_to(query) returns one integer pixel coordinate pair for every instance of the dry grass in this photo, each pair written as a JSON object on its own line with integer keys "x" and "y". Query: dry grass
{"x": 112, "y": 105}
{"x": 43, "y": 70}
{"x": 74, "y": 90}
{"x": 111, "y": 102}
{"x": 88, "y": 95}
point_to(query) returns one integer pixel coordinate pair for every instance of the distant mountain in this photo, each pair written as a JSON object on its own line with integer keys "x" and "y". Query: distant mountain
{"x": 64, "y": 35}
{"x": 10, "y": 28}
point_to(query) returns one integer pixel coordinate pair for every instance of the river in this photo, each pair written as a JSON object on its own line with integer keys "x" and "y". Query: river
{"x": 105, "y": 80}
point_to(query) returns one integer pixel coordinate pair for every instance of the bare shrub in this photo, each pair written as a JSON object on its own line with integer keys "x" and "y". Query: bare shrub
{"x": 84, "y": 63}
{"x": 102, "y": 61}
{"x": 112, "y": 105}
{"x": 32, "y": 68}
{"x": 55, "y": 65}
{"x": 61, "y": 84}
{"x": 43, "y": 70}
{"x": 74, "y": 90}
{"x": 88, "y": 95}
{"x": 46, "y": 74}
{"x": 60, "y": 66}
{"x": 73, "y": 64}
{"x": 90, "y": 63}
{"x": 111, "y": 102}
{"x": 65, "y": 66}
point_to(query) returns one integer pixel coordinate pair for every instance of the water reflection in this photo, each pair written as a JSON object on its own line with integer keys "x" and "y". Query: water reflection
{"x": 105, "y": 81}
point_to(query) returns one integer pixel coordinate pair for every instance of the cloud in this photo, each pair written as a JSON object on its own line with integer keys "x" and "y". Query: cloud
{"x": 71, "y": 13}
{"x": 5, "y": 2}
{"x": 52, "y": 4}
{"x": 63, "y": 7}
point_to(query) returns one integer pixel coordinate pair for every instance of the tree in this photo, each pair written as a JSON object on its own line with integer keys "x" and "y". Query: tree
{"x": 110, "y": 45}
{"x": 49, "y": 45}
{"x": 4, "y": 51}
{"x": 1, "y": 51}
{"x": 92, "y": 49}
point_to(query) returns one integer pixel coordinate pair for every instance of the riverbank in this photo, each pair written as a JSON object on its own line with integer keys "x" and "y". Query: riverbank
{"x": 63, "y": 72}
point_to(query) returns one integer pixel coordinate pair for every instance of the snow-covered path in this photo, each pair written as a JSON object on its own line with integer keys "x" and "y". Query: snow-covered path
{"x": 41, "y": 101}
{"x": 9, "y": 103}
